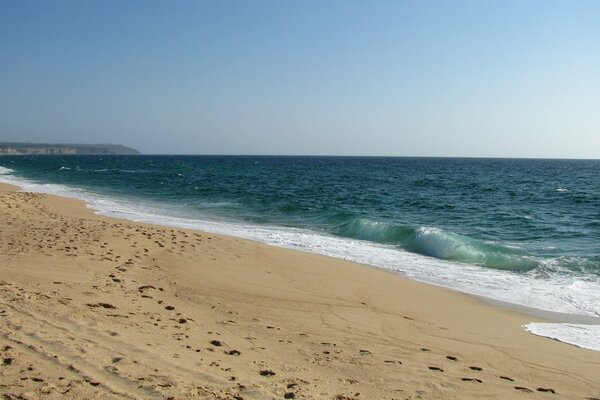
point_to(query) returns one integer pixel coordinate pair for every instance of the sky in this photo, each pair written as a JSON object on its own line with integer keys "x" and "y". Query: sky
{"x": 393, "y": 78}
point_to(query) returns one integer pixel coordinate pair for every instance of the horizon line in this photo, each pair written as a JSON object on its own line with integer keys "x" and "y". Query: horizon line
{"x": 313, "y": 155}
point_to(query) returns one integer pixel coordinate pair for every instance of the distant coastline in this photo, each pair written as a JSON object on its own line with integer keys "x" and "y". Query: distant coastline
{"x": 64, "y": 149}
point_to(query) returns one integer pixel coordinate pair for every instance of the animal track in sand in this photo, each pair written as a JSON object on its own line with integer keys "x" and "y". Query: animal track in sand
{"x": 436, "y": 369}
{"x": 471, "y": 380}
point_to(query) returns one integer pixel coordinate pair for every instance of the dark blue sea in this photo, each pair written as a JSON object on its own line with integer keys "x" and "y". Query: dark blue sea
{"x": 516, "y": 230}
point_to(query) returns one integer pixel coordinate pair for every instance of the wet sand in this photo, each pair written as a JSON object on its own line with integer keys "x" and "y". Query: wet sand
{"x": 93, "y": 307}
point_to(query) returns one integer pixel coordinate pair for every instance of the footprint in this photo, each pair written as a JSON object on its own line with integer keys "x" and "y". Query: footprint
{"x": 523, "y": 389}
{"x": 103, "y": 305}
{"x": 436, "y": 369}
{"x": 506, "y": 378}
{"x": 266, "y": 372}
{"x": 547, "y": 390}
{"x": 452, "y": 358}
{"x": 471, "y": 380}
{"x": 476, "y": 368}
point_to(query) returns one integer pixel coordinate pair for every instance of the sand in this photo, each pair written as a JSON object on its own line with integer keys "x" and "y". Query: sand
{"x": 93, "y": 307}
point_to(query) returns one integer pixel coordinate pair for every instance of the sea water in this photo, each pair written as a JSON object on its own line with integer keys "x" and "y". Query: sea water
{"x": 521, "y": 231}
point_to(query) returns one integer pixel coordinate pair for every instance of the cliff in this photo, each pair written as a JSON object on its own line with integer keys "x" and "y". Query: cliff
{"x": 64, "y": 149}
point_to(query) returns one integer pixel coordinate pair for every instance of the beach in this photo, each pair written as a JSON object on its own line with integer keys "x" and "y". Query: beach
{"x": 96, "y": 307}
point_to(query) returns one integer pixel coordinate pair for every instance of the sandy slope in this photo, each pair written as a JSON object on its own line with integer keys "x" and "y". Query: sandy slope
{"x": 94, "y": 307}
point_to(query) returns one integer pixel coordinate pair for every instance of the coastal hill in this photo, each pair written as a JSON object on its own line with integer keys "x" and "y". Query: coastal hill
{"x": 64, "y": 149}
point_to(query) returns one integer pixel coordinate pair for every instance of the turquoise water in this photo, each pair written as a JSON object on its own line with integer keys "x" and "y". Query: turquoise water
{"x": 525, "y": 231}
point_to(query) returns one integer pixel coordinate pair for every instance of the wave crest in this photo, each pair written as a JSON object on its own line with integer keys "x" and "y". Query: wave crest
{"x": 435, "y": 242}
{"x": 5, "y": 171}
{"x": 451, "y": 246}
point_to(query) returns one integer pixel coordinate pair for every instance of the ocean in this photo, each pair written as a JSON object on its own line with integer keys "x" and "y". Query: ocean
{"x": 526, "y": 232}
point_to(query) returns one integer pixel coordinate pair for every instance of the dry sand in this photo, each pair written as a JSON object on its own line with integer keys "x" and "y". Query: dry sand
{"x": 94, "y": 307}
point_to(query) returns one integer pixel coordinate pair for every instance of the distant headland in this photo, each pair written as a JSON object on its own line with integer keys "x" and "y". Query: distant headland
{"x": 64, "y": 149}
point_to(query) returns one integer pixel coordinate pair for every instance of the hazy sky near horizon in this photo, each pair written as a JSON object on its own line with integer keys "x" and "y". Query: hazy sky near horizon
{"x": 429, "y": 78}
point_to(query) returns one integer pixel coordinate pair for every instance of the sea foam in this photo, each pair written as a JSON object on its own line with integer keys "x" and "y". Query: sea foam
{"x": 584, "y": 336}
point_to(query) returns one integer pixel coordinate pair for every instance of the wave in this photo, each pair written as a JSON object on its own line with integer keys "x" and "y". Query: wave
{"x": 438, "y": 243}
{"x": 5, "y": 171}
{"x": 580, "y": 335}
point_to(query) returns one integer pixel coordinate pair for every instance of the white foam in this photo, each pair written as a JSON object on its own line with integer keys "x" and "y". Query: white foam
{"x": 584, "y": 336}
{"x": 560, "y": 292}
{"x": 5, "y": 171}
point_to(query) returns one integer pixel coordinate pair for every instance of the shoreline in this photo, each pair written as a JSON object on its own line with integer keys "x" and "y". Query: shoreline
{"x": 545, "y": 315}
{"x": 541, "y": 315}
{"x": 323, "y": 327}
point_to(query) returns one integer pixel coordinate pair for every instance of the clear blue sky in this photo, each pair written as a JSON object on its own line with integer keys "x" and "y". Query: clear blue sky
{"x": 432, "y": 78}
